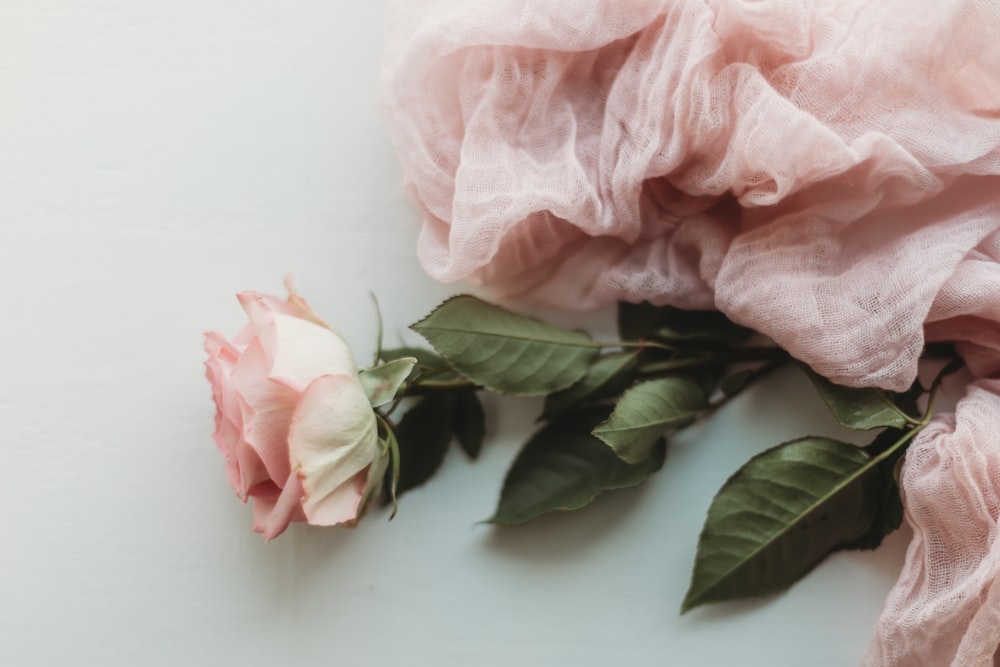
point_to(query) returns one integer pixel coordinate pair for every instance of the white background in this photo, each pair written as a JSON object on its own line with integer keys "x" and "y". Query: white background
{"x": 158, "y": 157}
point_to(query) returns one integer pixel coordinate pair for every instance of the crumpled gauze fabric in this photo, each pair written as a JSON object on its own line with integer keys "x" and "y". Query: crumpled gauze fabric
{"x": 825, "y": 172}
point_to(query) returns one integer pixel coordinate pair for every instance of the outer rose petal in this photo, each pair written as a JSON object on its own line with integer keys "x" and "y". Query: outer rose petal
{"x": 243, "y": 338}
{"x": 225, "y": 434}
{"x": 302, "y": 306}
{"x": 222, "y": 357}
{"x": 251, "y": 469}
{"x": 298, "y": 350}
{"x": 304, "y": 350}
{"x": 267, "y": 410}
{"x": 332, "y": 441}
{"x": 261, "y": 309}
{"x": 244, "y": 467}
{"x": 271, "y": 515}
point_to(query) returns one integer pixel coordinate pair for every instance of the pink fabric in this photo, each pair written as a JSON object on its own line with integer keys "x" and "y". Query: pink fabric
{"x": 950, "y": 616}
{"x": 827, "y": 173}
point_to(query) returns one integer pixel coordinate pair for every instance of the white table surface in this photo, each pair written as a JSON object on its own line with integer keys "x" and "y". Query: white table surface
{"x": 158, "y": 157}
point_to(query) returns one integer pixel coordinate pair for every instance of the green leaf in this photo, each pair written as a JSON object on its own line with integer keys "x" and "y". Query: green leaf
{"x": 393, "y": 473}
{"x": 780, "y": 514}
{"x": 647, "y": 411}
{"x": 428, "y": 364}
{"x": 506, "y": 352}
{"x": 637, "y": 321}
{"x": 858, "y": 408}
{"x": 707, "y": 376}
{"x": 470, "y": 422}
{"x": 423, "y": 434}
{"x": 889, "y": 514}
{"x": 907, "y": 401}
{"x": 382, "y": 382}
{"x": 607, "y": 376}
{"x": 682, "y": 328}
{"x": 702, "y": 328}
{"x": 389, "y": 474}
{"x": 378, "y": 334}
{"x": 888, "y": 518}
{"x": 376, "y": 475}
{"x": 564, "y": 467}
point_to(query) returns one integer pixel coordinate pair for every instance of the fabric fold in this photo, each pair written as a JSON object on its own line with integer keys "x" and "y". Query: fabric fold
{"x": 945, "y": 608}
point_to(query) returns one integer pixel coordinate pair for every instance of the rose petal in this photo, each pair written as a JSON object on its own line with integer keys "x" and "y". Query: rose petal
{"x": 267, "y": 408}
{"x": 342, "y": 505}
{"x": 261, "y": 310}
{"x": 302, "y": 306}
{"x": 265, "y": 495}
{"x": 222, "y": 357}
{"x": 332, "y": 441}
{"x": 298, "y": 350}
{"x": 244, "y": 467}
{"x": 250, "y": 468}
{"x": 217, "y": 346}
{"x": 304, "y": 350}
{"x": 226, "y": 438}
{"x": 243, "y": 338}
{"x": 271, "y": 515}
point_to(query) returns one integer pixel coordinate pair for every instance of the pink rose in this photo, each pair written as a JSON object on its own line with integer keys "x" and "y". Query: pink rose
{"x": 293, "y": 420}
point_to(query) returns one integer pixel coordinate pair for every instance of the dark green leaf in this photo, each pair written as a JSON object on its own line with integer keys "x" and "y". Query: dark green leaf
{"x": 889, "y": 514}
{"x": 506, "y": 352}
{"x": 606, "y": 377}
{"x": 858, "y": 408}
{"x": 884, "y": 441}
{"x": 907, "y": 401}
{"x": 429, "y": 364}
{"x": 682, "y": 328}
{"x": 782, "y": 513}
{"x": 707, "y": 376}
{"x": 647, "y": 411}
{"x": 637, "y": 321}
{"x": 703, "y": 328}
{"x": 564, "y": 467}
{"x": 470, "y": 422}
{"x": 423, "y": 435}
{"x": 888, "y": 517}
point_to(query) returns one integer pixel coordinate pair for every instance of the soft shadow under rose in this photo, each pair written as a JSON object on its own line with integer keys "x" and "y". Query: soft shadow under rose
{"x": 293, "y": 421}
